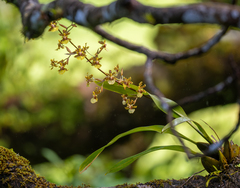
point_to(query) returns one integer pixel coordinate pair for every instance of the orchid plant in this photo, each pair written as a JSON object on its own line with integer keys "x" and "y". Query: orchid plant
{"x": 216, "y": 155}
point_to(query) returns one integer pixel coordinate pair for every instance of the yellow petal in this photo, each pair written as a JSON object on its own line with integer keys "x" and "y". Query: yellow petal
{"x": 93, "y": 100}
{"x": 131, "y": 111}
{"x": 53, "y": 29}
{"x": 111, "y": 82}
{"x": 97, "y": 66}
{"x": 62, "y": 71}
{"x": 139, "y": 95}
{"x": 80, "y": 57}
{"x": 64, "y": 41}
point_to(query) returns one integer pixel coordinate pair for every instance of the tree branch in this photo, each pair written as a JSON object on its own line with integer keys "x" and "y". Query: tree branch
{"x": 36, "y": 17}
{"x": 167, "y": 57}
{"x": 217, "y": 88}
{"x": 90, "y": 16}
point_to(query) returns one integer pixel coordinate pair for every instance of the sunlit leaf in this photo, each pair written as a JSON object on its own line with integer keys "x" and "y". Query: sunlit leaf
{"x": 198, "y": 129}
{"x": 203, "y": 132}
{"x": 157, "y": 128}
{"x": 177, "y": 110}
{"x": 176, "y": 122}
{"x": 88, "y": 161}
{"x": 117, "y": 88}
{"x": 125, "y": 162}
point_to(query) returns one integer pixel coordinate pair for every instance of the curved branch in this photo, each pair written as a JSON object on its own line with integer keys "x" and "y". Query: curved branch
{"x": 217, "y": 88}
{"x": 167, "y": 57}
{"x": 149, "y": 79}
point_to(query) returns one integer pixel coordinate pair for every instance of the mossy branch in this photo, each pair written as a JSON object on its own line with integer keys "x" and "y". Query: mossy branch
{"x": 15, "y": 171}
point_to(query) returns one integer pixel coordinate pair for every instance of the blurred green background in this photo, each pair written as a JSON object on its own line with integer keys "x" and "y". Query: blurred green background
{"x": 48, "y": 118}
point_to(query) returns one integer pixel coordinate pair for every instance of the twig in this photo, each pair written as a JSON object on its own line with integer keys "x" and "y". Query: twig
{"x": 191, "y": 178}
{"x": 165, "y": 106}
{"x": 149, "y": 79}
{"x": 217, "y": 88}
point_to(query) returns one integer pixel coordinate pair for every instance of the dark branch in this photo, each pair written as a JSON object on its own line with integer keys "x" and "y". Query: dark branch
{"x": 149, "y": 79}
{"x": 217, "y": 88}
{"x": 90, "y": 16}
{"x": 167, "y": 57}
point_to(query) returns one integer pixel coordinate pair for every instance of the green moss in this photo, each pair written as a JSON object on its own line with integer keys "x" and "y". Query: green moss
{"x": 153, "y": 183}
{"x": 160, "y": 183}
{"x": 15, "y": 171}
{"x": 126, "y": 185}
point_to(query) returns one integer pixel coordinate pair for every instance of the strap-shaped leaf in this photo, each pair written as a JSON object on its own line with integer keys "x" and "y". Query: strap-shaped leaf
{"x": 117, "y": 88}
{"x": 157, "y": 128}
{"x": 132, "y": 91}
{"x": 88, "y": 161}
{"x": 176, "y": 122}
{"x": 203, "y": 132}
{"x": 125, "y": 162}
{"x": 199, "y": 129}
{"x": 177, "y": 110}
{"x": 178, "y": 113}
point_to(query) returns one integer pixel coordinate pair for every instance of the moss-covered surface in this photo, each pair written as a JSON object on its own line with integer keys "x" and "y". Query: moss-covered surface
{"x": 16, "y": 172}
{"x": 227, "y": 179}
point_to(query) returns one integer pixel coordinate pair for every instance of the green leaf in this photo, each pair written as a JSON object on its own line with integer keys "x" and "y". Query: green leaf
{"x": 125, "y": 162}
{"x": 176, "y": 122}
{"x": 88, "y": 161}
{"x": 117, "y": 88}
{"x": 132, "y": 91}
{"x": 198, "y": 129}
{"x": 157, "y": 128}
{"x": 177, "y": 110}
{"x": 204, "y": 133}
